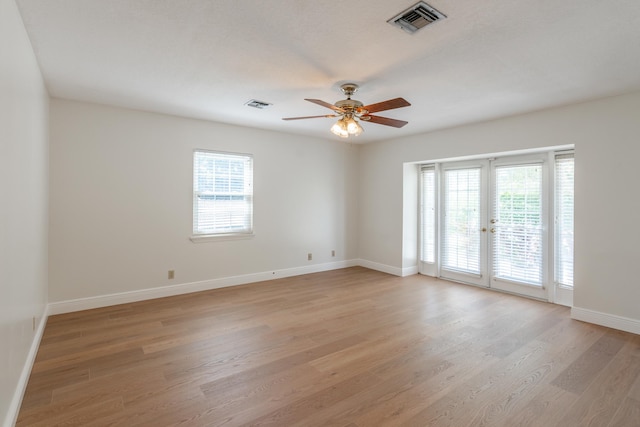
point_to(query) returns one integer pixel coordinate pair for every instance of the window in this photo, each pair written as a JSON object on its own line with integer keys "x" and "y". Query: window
{"x": 222, "y": 193}
{"x": 428, "y": 210}
{"x": 564, "y": 220}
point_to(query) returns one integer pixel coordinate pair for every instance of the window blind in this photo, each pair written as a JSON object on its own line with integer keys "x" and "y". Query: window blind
{"x": 564, "y": 216}
{"x": 460, "y": 244}
{"x": 517, "y": 224}
{"x": 222, "y": 193}
{"x": 428, "y": 213}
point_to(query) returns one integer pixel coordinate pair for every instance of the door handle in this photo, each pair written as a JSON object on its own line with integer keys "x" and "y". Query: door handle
{"x": 493, "y": 221}
{"x": 484, "y": 229}
{"x": 493, "y": 230}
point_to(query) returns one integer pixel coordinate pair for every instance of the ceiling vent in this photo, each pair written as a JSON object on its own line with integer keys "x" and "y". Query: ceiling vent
{"x": 257, "y": 104}
{"x": 416, "y": 17}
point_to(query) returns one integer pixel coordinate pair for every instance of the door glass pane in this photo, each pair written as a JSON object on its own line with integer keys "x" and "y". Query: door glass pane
{"x": 461, "y": 229}
{"x": 517, "y": 228}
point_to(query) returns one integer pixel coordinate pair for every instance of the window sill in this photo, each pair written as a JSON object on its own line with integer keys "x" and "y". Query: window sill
{"x": 220, "y": 237}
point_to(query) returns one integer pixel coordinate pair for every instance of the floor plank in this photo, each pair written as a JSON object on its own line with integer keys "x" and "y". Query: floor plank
{"x": 577, "y": 377}
{"x": 606, "y": 394}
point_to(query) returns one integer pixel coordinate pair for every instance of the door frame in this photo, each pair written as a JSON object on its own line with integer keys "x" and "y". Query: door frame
{"x": 553, "y": 292}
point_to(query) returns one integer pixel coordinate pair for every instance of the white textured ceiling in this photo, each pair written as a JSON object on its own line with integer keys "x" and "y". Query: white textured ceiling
{"x": 206, "y": 58}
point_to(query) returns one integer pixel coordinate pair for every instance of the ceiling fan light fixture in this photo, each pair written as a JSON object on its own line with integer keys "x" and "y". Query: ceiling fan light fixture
{"x": 340, "y": 128}
{"x": 346, "y": 126}
{"x": 353, "y": 127}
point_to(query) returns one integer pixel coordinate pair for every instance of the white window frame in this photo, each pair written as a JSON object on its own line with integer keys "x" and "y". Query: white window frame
{"x": 243, "y": 194}
{"x": 429, "y": 267}
{"x": 563, "y": 291}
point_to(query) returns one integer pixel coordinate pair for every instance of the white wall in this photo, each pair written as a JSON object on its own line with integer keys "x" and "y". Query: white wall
{"x": 605, "y": 133}
{"x": 121, "y": 201}
{"x": 23, "y": 206}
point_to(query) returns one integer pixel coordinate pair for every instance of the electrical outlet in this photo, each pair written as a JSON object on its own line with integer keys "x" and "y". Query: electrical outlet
{"x": 171, "y": 274}
{"x": 333, "y": 252}
{"x": 309, "y": 256}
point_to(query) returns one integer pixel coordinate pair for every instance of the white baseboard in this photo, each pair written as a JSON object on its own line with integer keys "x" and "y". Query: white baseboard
{"x": 380, "y": 267}
{"x": 60, "y": 307}
{"x": 396, "y": 271}
{"x": 605, "y": 319}
{"x": 23, "y": 380}
{"x": 409, "y": 271}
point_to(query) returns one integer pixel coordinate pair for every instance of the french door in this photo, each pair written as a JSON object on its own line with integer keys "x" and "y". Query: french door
{"x": 491, "y": 222}
{"x": 463, "y": 218}
{"x": 518, "y": 225}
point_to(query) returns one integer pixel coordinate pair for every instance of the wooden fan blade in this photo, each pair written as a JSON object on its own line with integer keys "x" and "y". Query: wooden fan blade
{"x": 308, "y": 117}
{"x": 386, "y": 105}
{"x": 325, "y": 104}
{"x": 384, "y": 121}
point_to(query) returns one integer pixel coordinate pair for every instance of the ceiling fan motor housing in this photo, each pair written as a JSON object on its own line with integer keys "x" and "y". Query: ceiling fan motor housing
{"x": 349, "y": 104}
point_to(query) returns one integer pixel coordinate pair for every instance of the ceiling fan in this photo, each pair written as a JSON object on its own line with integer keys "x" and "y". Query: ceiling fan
{"x": 351, "y": 111}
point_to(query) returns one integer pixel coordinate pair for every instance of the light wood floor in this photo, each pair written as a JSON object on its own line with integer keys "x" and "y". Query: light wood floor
{"x": 344, "y": 348}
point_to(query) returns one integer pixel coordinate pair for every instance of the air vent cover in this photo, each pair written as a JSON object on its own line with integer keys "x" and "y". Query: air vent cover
{"x": 257, "y": 104}
{"x": 416, "y": 17}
